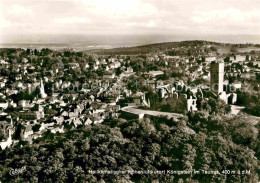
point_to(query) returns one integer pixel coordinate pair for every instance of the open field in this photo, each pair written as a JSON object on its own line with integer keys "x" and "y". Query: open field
{"x": 226, "y": 49}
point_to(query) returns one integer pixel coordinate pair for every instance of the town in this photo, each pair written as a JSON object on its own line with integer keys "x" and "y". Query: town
{"x": 50, "y": 91}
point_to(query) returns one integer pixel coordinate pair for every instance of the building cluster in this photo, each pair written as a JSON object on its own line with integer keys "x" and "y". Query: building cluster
{"x": 57, "y": 91}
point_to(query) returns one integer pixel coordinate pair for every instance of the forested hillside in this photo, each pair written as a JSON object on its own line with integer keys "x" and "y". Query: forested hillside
{"x": 151, "y": 48}
{"x": 220, "y": 143}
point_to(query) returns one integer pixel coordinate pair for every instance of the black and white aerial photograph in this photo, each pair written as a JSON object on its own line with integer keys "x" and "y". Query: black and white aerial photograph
{"x": 130, "y": 91}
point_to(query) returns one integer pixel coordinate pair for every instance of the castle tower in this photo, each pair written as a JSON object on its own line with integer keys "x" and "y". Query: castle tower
{"x": 216, "y": 77}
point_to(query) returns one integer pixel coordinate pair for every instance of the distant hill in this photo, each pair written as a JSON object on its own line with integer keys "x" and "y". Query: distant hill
{"x": 145, "y": 49}
{"x": 223, "y": 48}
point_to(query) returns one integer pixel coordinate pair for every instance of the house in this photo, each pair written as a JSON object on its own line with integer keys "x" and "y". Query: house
{"x": 88, "y": 121}
{"x": 77, "y": 122}
{"x": 73, "y": 65}
{"x": 25, "y": 104}
{"x": 155, "y": 73}
{"x": 137, "y": 101}
{"x": 28, "y": 115}
{"x": 117, "y": 64}
{"x": 239, "y": 58}
{"x": 210, "y": 59}
{"x": 107, "y": 68}
{"x": 95, "y": 67}
{"x": 18, "y": 77}
{"x": 4, "y": 143}
{"x": 73, "y": 114}
{"x": 129, "y": 70}
{"x": 46, "y": 126}
{"x": 97, "y": 62}
{"x": 39, "y": 110}
{"x": 256, "y": 63}
{"x": 24, "y": 60}
{"x": 103, "y": 62}
{"x": 12, "y": 104}
{"x": 109, "y": 76}
{"x": 237, "y": 85}
{"x": 248, "y": 75}
{"x": 80, "y": 107}
{"x": 86, "y": 66}
{"x": 114, "y": 108}
{"x": 11, "y": 92}
{"x": 132, "y": 104}
{"x": 59, "y": 129}
{"x": 27, "y": 131}
{"x": 98, "y": 120}
{"x": 2, "y": 84}
{"x": 4, "y": 105}
{"x": 111, "y": 60}
{"x": 58, "y": 119}
{"x": 171, "y": 57}
{"x": 192, "y": 104}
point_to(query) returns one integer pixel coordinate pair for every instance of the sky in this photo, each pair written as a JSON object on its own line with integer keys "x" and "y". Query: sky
{"x": 116, "y": 17}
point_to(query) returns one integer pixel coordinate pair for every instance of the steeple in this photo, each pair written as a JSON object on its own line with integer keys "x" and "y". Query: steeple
{"x": 43, "y": 94}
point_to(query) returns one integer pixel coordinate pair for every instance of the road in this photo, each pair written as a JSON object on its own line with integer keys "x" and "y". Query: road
{"x": 152, "y": 113}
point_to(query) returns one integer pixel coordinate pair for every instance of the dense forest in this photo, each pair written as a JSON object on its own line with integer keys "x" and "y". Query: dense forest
{"x": 197, "y": 142}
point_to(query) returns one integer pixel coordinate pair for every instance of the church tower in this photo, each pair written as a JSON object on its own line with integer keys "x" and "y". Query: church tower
{"x": 217, "y": 77}
{"x": 42, "y": 92}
